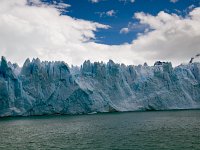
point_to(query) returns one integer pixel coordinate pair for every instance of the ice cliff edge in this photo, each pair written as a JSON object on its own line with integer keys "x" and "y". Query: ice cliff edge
{"x": 40, "y": 88}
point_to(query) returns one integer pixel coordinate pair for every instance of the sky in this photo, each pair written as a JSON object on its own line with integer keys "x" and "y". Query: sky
{"x": 126, "y": 31}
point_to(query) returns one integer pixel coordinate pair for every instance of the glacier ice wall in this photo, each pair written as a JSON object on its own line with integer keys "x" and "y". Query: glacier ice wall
{"x": 40, "y": 88}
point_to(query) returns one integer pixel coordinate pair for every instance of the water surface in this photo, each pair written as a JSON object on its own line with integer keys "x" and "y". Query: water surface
{"x": 135, "y": 130}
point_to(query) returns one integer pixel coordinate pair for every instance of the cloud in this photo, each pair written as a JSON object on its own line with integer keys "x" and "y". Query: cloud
{"x": 191, "y": 7}
{"x": 40, "y": 31}
{"x": 109, "y": 13}
{"x": 134, "y": 27}
{"x": 124, "y": 30}
{"x": 171, "y": 37}
{"x": 126, "y": 1}
{"x": 185, "y": 11}
{"x": 95, "y": 1}
{"x": 60, "y": 6}
{"x": 174, "y": 1}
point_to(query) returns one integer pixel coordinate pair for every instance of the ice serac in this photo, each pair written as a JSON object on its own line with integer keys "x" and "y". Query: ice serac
{"x": 44, "y": 88}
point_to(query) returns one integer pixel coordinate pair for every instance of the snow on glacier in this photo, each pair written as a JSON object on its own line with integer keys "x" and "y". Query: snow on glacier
{"x": 39, "y": 88}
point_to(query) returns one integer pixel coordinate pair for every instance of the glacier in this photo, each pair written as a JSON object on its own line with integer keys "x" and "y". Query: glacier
{"x": 45, "y": 88}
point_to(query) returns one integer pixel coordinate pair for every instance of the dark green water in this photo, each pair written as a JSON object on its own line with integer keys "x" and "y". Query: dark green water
{"x": 136, "y": 130}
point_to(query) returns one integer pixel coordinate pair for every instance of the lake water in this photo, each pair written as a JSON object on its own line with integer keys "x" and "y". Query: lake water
{"x": 134, "y": 130}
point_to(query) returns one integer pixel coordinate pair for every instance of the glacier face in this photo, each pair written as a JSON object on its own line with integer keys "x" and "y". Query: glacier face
{"x": 40, "y": 88}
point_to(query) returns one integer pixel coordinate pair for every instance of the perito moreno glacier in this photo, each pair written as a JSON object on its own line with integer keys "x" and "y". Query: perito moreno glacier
{"x": 44, "y": 88}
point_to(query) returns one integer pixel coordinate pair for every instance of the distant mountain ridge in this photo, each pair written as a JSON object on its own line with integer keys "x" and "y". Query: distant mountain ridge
{"x": 44, "y": 88}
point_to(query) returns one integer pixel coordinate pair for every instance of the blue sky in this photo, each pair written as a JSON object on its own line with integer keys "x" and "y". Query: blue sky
{"x": 124, "y": 12}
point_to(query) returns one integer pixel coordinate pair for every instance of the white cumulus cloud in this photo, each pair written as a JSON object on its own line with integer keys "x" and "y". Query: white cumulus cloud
{"x": 40, "y": 31}
{"x": 172, "y": 37}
